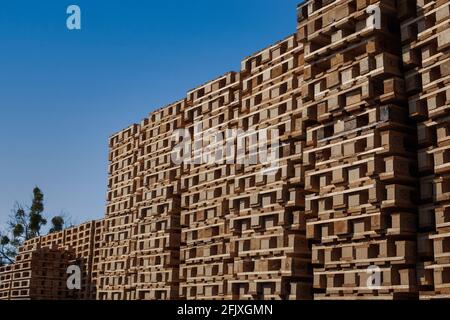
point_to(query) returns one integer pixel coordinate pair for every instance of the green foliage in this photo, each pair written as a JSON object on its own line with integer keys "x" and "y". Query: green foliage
{"x": 36, "y": 219}
{"x": 57, "y": 224}
{"x": 18, "y": 230}
{"x": 6, "y": 250}
{"x": 4, "y": 240}
{"x": 37, "y": 205}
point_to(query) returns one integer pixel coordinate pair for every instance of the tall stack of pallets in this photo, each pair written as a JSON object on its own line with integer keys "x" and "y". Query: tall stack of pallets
{"x": 267, "y": 210}
{"x": 121, "y": 211}
{"x": 360, "y": 155}
{"x": 154, "y": 259}
{"x": 207, "y": 182}
{"x": 426, "y": 57}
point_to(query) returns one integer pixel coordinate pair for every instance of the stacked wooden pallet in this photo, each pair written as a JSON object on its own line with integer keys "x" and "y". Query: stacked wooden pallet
{"x": 38, "y": 273}
{"x": 49, "y": 274}
{"x": 55, "y": 239}
{"x": 266, "y": 212}
{"x": 426, "y": 56}
{"x": 80, "y": 241}
{"x": 41, "y": 268}
{"x": 121, "y": 212}
{"x": 360, "y": 155}
{"x": 21, "y": 286}
{"x": 206, "y": 183}
{"x": 5, "y": 282}
{"x": 84, "y": 242}
{"x": 97, "y": 247}
{"x": 154, "y": 259}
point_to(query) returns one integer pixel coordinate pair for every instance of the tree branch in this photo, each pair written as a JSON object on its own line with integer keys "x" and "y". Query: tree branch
{"x": 5, "y": 256}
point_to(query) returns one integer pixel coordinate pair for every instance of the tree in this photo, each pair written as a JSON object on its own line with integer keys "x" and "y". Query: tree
{"x": 36, "y": 219}
{"x": 25, "y": 225}
{"x": 57, "y": 224}
{"x": 6, "y": 251}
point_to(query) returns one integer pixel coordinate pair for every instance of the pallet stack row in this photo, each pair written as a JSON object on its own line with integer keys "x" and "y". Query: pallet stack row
{"x": 206, "y": 184}
{"x": 360, "y": 156}
{"x": 155, "y": 257}
{"x": 38, "y": 273}
{"x": 121, "y": 212}
{"x": 267, "y": 209}
{"x": 319, "y": 171}
{"x": 76, "y": 246}
{"x": 426, "y": 56}
{"x": 84, "y": 242}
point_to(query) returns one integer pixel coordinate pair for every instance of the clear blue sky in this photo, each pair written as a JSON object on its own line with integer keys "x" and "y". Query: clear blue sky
{"x": 63, "y": 93}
